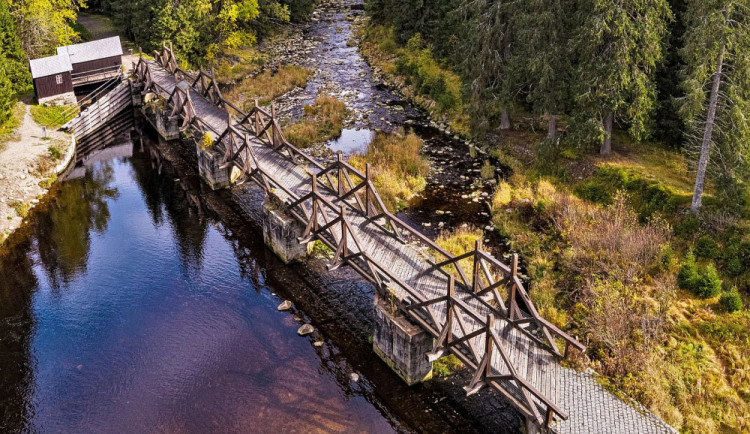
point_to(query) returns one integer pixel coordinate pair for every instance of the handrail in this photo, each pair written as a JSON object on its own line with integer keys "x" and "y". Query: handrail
{"x": 349, "y": 183}
{"x": 93, "y": 94}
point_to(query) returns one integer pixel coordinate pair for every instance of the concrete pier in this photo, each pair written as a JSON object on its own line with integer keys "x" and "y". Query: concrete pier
{"x": 210, "y": 170}
{"x": 401, "y": 344}
{"x": 281, "y": 232}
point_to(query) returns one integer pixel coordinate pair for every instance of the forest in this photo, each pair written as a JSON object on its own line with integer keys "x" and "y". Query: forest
{"x": 622, "y": 131}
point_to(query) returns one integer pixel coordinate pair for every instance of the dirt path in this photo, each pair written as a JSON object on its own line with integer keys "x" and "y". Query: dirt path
{"x": 19, "y": 179}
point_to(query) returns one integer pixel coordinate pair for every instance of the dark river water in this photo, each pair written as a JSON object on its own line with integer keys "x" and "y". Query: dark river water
{"x": 132, "y": 302}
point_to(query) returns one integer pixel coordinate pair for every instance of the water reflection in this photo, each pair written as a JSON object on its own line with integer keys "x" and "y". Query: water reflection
{"x": 78, "y": 211}
{"x": 166, "y": 321}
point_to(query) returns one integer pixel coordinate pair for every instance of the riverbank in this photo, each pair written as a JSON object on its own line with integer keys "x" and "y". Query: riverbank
{"x": 28, "y": 166}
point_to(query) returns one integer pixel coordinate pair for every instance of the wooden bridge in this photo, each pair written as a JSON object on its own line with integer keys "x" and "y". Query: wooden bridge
{"x": 473, "y": 305}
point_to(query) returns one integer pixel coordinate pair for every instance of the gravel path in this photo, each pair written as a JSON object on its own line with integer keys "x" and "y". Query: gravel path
{"x": 19, "y": 181}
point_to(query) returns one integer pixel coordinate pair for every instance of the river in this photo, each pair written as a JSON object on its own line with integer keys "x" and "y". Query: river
{"x": 136, "y": 300}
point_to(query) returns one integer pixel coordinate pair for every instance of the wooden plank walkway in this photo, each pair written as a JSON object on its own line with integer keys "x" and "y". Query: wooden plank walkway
{"x": 501, "y": 338}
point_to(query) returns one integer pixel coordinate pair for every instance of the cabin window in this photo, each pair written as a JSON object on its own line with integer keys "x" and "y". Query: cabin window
{"x": 58, "y": 79}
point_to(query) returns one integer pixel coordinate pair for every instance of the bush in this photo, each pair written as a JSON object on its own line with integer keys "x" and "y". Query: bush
{"x": 731, "y": 300}
{"x": 708, "y": 284}
{"x": 687, "y": 277}
{"x": 487, "y": 171}
{"x": 707, "y": 248}
{"x": 688, "y": 226}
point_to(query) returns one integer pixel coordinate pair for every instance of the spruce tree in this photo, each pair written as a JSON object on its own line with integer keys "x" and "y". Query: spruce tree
{"x": 619, "y": 44}
{"x": 717, "y": 89}
{"x": 543, "y": 54}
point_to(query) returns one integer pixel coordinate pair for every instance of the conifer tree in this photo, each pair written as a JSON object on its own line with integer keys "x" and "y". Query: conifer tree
{"x": 717, "y": 89}
{"x": 542, "y": 52}
{"x": 619, "y": 44}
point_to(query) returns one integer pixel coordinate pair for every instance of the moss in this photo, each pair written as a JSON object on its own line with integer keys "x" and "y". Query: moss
{"x": 446, "y": 365}
{"x": 21, "y": 208}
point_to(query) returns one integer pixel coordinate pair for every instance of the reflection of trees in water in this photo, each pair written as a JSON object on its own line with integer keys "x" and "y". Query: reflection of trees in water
{"x": 63, "y": 233}
{"x": 166, "y": 198}
{"x": 17, "y": 284}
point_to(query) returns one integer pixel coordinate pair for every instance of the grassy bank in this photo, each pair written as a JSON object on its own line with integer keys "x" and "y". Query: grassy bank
{"x": 51, "y": 116}
{"x": 397, "y": 167}
{"x": 322, "y": 121}
{"x": 429, "y": 83}
{"x": 9, "y": 129}
{"x": 268, "y": 85}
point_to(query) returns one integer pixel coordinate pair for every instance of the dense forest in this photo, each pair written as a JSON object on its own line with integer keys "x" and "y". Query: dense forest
{"x": 621, "y": 128}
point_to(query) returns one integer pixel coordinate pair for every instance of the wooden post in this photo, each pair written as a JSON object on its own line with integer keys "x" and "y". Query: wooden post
{"x": 273, "y": 121}
{"x": 340, "y": 174}
{"x": 345, "y": 248}
{"x": 257, "y": 118}
{"x": 450, "y": 308}
{"x": 488, "y": 344}
{"x": 315, "y": 202}
{"x": 475, "y": 271}
{"x": 514, "y": 273}
{"x": 140, "y": 52}
{"x": 367, "y": 190}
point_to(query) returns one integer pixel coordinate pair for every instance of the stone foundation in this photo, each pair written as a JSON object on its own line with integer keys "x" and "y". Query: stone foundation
{"x": 281, "y": 233}
{"x": 167, "y": 126}
{"x": 61, "y": 99}
{"x": 209, "y": 168}
{"x": 401, "y": 344}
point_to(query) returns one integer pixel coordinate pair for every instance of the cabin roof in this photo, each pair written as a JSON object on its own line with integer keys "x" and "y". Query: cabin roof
{"x": 87, "y": 51}
{"x": 49, "y": 66}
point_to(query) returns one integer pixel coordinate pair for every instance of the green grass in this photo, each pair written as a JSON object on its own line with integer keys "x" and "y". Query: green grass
{"x": 446, "y": 365}
{"x": 51, "y": 116}
{"x": 9, "y": 130}
{"x": 321, "y": 122}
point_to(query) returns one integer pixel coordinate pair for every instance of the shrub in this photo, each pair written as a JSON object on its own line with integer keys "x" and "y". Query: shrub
{"x": 687, "y": 277}
{"x": 731, "y": 301}
{"x": 51, "y": 116}
{"x": 707, "y": 248}
{"x": 708, "y": 284}
{"x": 688, "y": 226}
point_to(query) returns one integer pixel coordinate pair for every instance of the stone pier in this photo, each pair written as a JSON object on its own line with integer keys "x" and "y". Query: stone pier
{"x": 281, "y": 232}
{"x": 167, "y": 126}
{"x": 210, "y": 168}
{"x": 401, "y": 344}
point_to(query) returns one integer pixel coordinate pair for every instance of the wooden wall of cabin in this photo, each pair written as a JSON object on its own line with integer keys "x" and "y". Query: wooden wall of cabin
{"x": 49, "y": 86}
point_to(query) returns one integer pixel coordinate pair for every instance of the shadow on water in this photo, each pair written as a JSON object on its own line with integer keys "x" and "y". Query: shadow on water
{"x": 135, "y": 299}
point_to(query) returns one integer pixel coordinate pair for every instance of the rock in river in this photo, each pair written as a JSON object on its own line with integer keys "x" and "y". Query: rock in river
{"x": 286, "y": 305}
{"x": 305, "y": 330}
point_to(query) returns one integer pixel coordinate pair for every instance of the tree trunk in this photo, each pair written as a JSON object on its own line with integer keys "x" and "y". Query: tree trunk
{"x": 700, "y": 178}
{"x": 552, "y": 127}
{"x": 505, "y": 120}
{"x": 606, "y": 148}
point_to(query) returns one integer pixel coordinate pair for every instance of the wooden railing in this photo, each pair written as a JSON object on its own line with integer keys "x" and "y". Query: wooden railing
{"x": 472, "y": 297}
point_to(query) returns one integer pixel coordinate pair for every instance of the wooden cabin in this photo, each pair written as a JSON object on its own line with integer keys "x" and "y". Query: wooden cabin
{"x": 52, "y": 79}
{"x": 56, "y": 77}
{"x": 94, "y": 61}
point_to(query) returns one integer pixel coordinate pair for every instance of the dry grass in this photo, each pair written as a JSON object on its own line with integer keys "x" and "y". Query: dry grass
{"x": 397, "y": 166}
{"x": 457, "y": 242}
{"x": 322, "y": 122}
{"x": 268, "y": 85}
{"x": 601, "y": 273}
